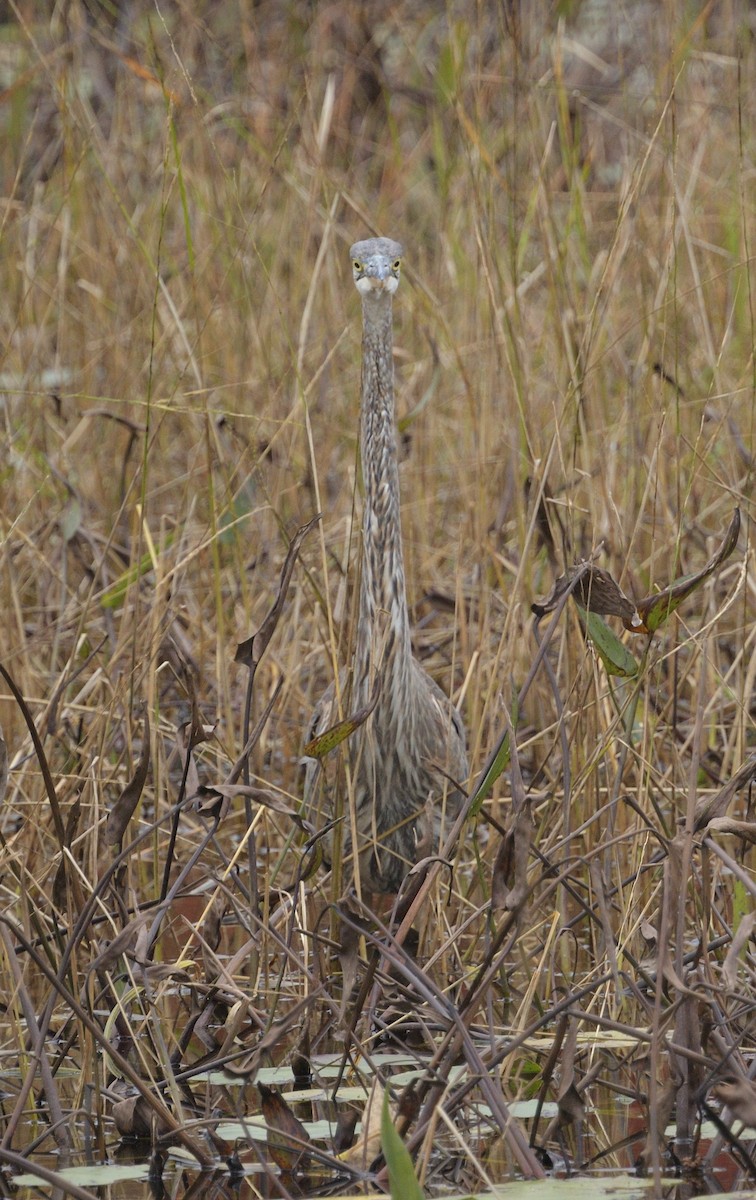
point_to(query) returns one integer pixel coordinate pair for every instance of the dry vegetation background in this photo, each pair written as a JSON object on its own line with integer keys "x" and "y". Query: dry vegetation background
{"x": 574, "y": 186}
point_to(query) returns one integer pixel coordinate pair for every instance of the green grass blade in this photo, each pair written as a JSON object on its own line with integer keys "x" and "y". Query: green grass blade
{"x": 402, "y": 1178}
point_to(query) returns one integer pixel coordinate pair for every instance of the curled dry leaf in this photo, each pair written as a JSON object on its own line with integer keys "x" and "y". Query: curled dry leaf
{"x": 368, "y": 1145}
{"x": 216, "y": 798}
{"x": 571, "y": 1106}
{"x": 213, "y": 922}
{"x": 134, "y": 1119}
{"x": 742, "y": 936}
{"x": 509, "y": 883}
{"x": 742, "y": 829}
{"x": 343, "y": 1137}
{"x": 739, "y": 1095}
{"x": 250, "y": 651}
{"x": 112, "y": 951}
{"x": 655, "y": 609}
{"x": 59, "y": 883}
{"x": 709, "y": 808}
{"x": 595, "y": 590}
{"x": 123, "y": 809}
{"x": 288, "y": 1140}
{"x": 151, "y": 974}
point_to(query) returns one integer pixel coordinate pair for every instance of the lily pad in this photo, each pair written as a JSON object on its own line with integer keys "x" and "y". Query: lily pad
{"x": 89, "y": 1176}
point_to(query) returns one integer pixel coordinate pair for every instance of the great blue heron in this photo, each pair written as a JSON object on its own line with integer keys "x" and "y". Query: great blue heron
{"x": 413, "y": 742}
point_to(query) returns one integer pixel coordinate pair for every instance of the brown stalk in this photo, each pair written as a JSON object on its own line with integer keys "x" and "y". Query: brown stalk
{"x": 163, "y": 1114}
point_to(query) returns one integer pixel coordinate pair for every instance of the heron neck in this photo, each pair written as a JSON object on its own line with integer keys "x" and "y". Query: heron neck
{"x": 383, "y": 630}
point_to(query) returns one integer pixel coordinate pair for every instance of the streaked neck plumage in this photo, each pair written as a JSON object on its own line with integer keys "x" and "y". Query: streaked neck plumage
{"x": 382, "y": 588}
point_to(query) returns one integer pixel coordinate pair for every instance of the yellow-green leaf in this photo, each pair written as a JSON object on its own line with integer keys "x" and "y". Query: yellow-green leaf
{"x": 402, "y": 1178}
{"x": 615, "y": 656}
{"x": 655, "y": 609}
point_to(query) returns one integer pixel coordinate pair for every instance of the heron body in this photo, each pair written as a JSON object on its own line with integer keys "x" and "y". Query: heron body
{"x": 413, "y": 742}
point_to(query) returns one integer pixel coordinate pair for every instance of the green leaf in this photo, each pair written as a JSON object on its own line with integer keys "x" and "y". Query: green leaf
{"x": 402, "y": 1178}
{"x": 493, "y": 770}
{"x": 615, "y": 656}
{"x": 116, "y": 593}
{"x": 445, "y": 74}
{"x": 323, "y": 743}
{"x": 655, "y": 609}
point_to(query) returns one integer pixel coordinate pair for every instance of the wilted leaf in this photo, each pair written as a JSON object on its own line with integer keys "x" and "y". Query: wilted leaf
{"x": 324, "y": 742}
{"x": 739, "y": 1095}
{"x": 343, "y": 1136}
{"x": 615, "y": 656}
{"x": 571, "y": 1106}
{"x": 509, "y": 882}
{"x": 595, "y": 590}
{"x": 151, "y": 974}
{"x": 120, "y": 944}
{"x": 123, "y": 809}
{"x": 740, "y": 939}
{"x": 648, "y": 931}
{"x": 70, "y": 518}
{"x": 72, "y": 824}
{"x": 368, "y": 1145}
{"x": 135, "y": 1119}
{"x": 501, "y": 877}
{"x": 655, "y": 609}
{"x": 287, "y": 1137}
{"x": 401, "y": 1172}
{"x": 209, "y": 797}
{"x": 710, "y": 807}
{"x": 213, "y": 923}
{"x": 742, "y": 829}
{"x": 250, "y": 651}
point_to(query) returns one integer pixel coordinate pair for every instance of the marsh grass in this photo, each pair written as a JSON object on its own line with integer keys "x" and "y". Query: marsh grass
{"x": 180, "y": 380}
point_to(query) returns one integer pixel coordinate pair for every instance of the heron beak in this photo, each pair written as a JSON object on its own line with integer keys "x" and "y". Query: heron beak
{"x": 377, "y": 276}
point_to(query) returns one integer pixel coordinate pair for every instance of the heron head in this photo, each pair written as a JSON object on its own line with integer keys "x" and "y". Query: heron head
{"x": 376, "y": 264}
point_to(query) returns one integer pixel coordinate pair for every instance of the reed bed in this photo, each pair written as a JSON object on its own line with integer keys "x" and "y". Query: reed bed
{"x": 180, "y": 380}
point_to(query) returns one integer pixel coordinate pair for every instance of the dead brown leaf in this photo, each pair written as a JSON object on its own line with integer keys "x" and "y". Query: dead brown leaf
{"x": 288, "y": 1140}
{"x": 250, "y": 651}
{"x": 742, "y": 829}
{"x": 123, "y": 809}
{"x": 710, "y": 807}
{"x": 741, "y": 937}
{"x": 595, "y": 590}
{"x": 135, "y": 1119}
{"x": 72, "y": 824}
{"x": 214, "y": 799}
{"x": 368, "y": 1145}
{"x": 571, "y": 1105}
{"x": 739, "y": 1095}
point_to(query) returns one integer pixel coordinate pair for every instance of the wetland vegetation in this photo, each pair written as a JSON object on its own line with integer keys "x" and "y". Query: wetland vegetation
{"x": 569, "y": 989}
